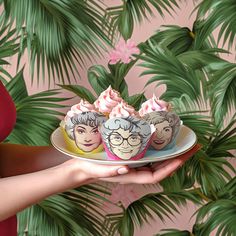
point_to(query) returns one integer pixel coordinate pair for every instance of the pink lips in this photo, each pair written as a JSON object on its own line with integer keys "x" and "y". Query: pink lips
{"x": 87, "y": 145}
{"x": 158, "y": 141}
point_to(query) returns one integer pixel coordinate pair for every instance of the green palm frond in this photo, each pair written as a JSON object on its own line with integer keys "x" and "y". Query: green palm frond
{"x": 180, "y": 180}
{"x": 77, "y": 212}
{"x": 58, "y": 34}
{"x": 220, "y": 214}
{"x": 167, "y": 69}
{"x": 124, "y": 16}
{"x": 36, "y": 114}
{"x": 224, "y": 141}
{"x": 198, "y": 59}
{"x": 223, "y": 87}
{"x": 161, "y": 205}
{"x": 100, "y": 79}
{"x": 214, "y": 14}
{"x": 179, "y": 39}
{"x": 80, "y": 91}
{"x": 8, "y": 48}
{"x": 209, "y": 172}
{"x": 216, "y": 216}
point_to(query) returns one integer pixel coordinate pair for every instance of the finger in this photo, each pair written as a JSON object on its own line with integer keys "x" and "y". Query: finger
{"x": 103, "y": 171}
{"x": 145, "y": 175}
{"x": 159, "y": 165}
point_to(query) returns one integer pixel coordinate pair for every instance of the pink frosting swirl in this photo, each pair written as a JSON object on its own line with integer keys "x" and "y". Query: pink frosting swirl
{"x": 82, "y": 106}
{"x": 154, "y": 104}
{"x": 122, "y": 109}
{"x": 107, "y": 100}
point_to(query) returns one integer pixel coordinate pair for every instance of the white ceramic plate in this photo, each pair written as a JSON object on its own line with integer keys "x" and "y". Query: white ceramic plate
{"x": 185, "y": 140}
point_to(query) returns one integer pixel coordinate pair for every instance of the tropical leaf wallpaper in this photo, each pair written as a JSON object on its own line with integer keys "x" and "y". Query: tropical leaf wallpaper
{"x": 59, "y": 37}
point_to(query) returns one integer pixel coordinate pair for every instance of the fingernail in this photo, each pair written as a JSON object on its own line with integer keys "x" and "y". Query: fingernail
{"x": 122, "y": 171}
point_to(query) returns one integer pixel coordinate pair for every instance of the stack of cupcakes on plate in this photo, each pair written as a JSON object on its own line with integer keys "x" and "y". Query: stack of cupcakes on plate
{"x": 111, "y": 124}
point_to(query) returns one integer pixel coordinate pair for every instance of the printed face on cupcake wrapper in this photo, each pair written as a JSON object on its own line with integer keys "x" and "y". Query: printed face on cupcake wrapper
{"x": 125, "y": 144}
{"x": 125, "y": 138}
{"x": 87, "y": 138}
{"x": 83, "y": 129}
{"x": 167, "y": 125}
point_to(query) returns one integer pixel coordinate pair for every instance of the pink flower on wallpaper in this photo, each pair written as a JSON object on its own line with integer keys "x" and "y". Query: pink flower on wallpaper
{"x": 123, "y": 52}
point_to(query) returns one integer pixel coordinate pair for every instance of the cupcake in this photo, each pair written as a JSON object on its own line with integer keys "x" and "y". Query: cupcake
{"x": 167, "y": 126}
{"x": 82, "y": 106}
{"x": 154, "y": 104}
{"x": 125, "y": 136}
{"x": 123, "y": 109}
{"x": 80, "y": 129}
{"x": 107, "y": 100}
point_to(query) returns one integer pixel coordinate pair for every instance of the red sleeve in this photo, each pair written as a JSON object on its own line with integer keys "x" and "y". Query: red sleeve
{"x": 7, "y": 113}
{"x": 8, "y": 227}
{"x": 7, "y": 122}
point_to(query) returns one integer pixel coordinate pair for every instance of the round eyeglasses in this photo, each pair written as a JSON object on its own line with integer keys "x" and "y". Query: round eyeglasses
{"x": 116, "y": 139}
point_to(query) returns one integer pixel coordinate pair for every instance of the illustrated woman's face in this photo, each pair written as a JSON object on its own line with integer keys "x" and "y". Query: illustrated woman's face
{"x": 162, "y": 135}
{"x": 124, "y": 144}
{"x": 87, "y": 138}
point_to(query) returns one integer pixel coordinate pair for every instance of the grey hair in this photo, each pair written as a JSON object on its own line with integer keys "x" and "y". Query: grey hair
{"x": 93, "y": 119}
{"x": 132, "y": 124}
{"x": 157, "y": 117}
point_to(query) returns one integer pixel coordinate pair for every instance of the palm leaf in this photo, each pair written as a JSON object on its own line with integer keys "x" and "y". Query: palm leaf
{"x": 8, "y": 48}
{"x": 77, "y": 212}
{"x": 219, "y": 215}
{"x": 223, "y": 85}
{"x": 136, "y": 100}
{"x": 169, "y": 70}
{"x": 100, "y": 79}
{"x": 58, "y": 34}
{"x": 198, "y": 59}
{"x": 209, "y": 172}
{"x": 180, "y": 180}
{"x": 224, "y": 141}
{"x": 218, "y": 13}
{"x": 36, "y": 114}
{"x": 161, "y": 205}
{"x": 124, "y": 16}
{"x": 178, "y": 39}
{"x": 80, "y": 91}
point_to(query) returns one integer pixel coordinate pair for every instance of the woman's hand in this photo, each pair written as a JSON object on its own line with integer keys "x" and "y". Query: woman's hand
{"x": 154, "y": 173}
{"x": 82, "y": 172}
